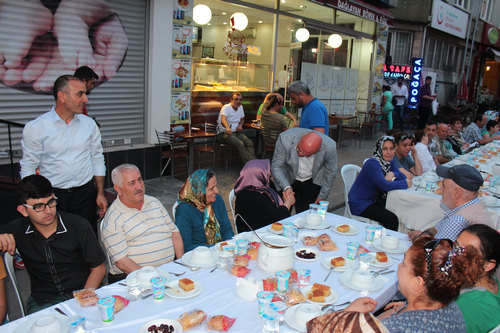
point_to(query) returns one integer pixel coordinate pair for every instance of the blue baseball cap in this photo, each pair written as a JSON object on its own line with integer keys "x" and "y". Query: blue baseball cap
{"x": 463, "y": 175}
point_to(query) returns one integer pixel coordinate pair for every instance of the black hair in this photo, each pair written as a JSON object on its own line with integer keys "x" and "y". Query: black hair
{"x": 455, "y": 118}
{"x": 490, "y": 124}
{"x": 85, "y": 73}
{"x": 386, "y": 88}
{"x": 478, "y": 117}
{"x": 33, "y": 187}
{"x": 428, "y": 78}
{"x": 398, "y": 137}
{"x": 490, "y": 242}
{"x": 419, "y": 134}
{"x": 430, "y": 123}
{"x": 61, "y": 84}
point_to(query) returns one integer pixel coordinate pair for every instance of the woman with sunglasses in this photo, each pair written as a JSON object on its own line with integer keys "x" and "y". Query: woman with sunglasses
{"x": 480, "y": 303}
{"x": 409, "y": 166}
{"x": 378, "y": 176}
{"x": 430, "y": 278}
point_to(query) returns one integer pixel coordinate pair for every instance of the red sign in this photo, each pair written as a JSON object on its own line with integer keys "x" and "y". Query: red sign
{"x": 361, "y": 9}
{"x": 490, "y": 35}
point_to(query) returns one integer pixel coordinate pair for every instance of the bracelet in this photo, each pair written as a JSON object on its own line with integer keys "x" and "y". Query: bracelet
{"x": 393, "y": 179}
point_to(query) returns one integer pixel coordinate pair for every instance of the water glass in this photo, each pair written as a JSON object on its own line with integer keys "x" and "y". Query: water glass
{"x": 313, "y": 209}
{"x": 133, "y": 289}
{"x": 352, "y": 250}
{"x": 264, "y": 299}
{"x": 241, "y": 246}
{"x": 158, "y": 287}
{"x": 303, "y": 277}
{"x": 370, "y": 232}
{"x": 323, "y": 208}
{"x": 271, "y": 322}
{"x": 225, "y": 259}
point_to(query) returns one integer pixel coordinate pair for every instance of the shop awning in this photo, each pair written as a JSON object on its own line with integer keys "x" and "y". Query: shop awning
{"x": 495, "y": 53}
{"x": 361, "y": 9}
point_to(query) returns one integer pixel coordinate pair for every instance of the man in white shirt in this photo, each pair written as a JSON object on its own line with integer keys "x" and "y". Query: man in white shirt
{"x": 65, "y": 147}
{"x": 230, "y": 128}
{"x": 400, "y": 91}
{"x": 282, "y": 80}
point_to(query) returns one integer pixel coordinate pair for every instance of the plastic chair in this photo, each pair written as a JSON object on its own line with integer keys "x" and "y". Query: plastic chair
{"x": 349, "y": 173}
{"x": 9, "y": 266}
{"x": 174, "y": 209}
{"x": 232, "y": 197}
{"x": 101, "y": 228}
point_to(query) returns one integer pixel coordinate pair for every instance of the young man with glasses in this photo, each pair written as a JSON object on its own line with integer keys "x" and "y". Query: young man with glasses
{"x": 60, "y": 250}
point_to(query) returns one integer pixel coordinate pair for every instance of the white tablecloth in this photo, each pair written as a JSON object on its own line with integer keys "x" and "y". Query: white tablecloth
{"x": 219, "y": 292}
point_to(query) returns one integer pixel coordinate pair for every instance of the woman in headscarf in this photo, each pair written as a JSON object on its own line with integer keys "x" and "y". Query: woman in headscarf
{"x": 256, "y": 199}
{"x": 378, "y": 176}
{"x": 201, "y": 215}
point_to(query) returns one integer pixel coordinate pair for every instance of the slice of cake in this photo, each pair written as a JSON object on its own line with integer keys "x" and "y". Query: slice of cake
{"x": 381, "y": 257}
{"x": 337, "y": 262}
{"x": 319, "y": 292}
{"x": 343, "y": 228}
{"x": 186, "y": 284}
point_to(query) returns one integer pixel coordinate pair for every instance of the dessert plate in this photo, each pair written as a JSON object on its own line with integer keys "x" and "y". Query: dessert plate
{"x": 323, "y": 225}
{"x": 349, "y": 264}
{"x": 316, "y": 252}
{"x": 377, "y": 283}
{"x": 377, "y": 243}
{"x": 328, "y": 300}
{"x": 187, "y": 258}
{"x": 352, "y": 230}
{"x": 177, "y": 326}
{"x": 375, "y": 263}
{"x": 270, "y": 229}
{"x": 290, "y": 318}
{"x": 177, "y": 292}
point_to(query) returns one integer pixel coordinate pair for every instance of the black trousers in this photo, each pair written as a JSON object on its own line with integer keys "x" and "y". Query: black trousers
{"x": 80, "y": 201}
{"x": 423, "y": 116}
{"x": 112, "y": 278}
{"x": 306, "y": 193}
{"x": 385, "y": 217}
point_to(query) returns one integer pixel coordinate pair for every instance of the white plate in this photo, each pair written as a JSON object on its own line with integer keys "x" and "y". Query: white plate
{"x": 377, "y": 243}
{"x": 352, "y": 230}
{"x": 378, "y": 282}
{"x": 375, "y": 263}
{"x": 177, "y": 326}
{"x": 323, "y": 225}
{"x": 25, "y": 326}
{"x": 317, "y": 253}
{"x": 177, "y": 292}
{"x": 492, "y": 190}
{"x": 290, "y": 318}
{"x": 186, "y": 258}
{"x": 271, "y": 230}
{"x": 495, "y": 203}
{"x": 147, "y": 285}
{"x": 328, "y": 300}
{"x": 349, "y": 264}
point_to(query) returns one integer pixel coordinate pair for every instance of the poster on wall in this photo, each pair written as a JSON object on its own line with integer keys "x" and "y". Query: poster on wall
{"x": 338, "y": 82}
{"x": 352, "y": 83}
{"x": 181, "y": 74}
{"x": 182, "y": 42}
{"x": 324, "y": 88}
{"x": 181, "y": 104}
{"x": 308, "y": 75}
{"x": 183, "y": 11}
{"x": 382, "y": 33}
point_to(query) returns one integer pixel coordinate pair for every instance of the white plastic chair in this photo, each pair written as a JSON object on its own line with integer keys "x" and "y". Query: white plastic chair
{"x": 9, "y": 265}
{"x": 349, "y": 173}
{"x": 231, "y": 204}
{"x": 174, "y": 209}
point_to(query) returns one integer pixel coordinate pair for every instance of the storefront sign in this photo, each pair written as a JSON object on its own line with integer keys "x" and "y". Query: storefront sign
{"x": 449, "y": 19}
{"x": 395, "y": 71}
{"x": 490, "y": 35}
{"x": 416, "y": 75}
{"x": 361, "y": 9}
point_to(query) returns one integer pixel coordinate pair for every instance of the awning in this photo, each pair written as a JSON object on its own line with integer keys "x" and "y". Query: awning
{"x": 362, "y": 9}
{"x": 495, "y": 53}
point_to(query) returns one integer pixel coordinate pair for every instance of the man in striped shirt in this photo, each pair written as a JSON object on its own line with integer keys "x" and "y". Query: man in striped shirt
{"x": 137, "y": 229}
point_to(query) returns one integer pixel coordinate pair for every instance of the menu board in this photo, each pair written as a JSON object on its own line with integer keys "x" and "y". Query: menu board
{"x": 183, "y": 11}
{"x": 181, "y": 74}
{"x": 181, "y": 104}
{"x": 182, "y": 45}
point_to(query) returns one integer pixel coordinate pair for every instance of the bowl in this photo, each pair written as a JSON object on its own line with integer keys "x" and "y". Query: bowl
{"x": 313, "y": 219}
{"x": 47, "y": 324}
{"x": 201, "y": 255}
{"x": 390, "y": 242}
{"x": 146, "y": 273}
{"x": 305, "y": 312}
{"x": 362, "y": 278}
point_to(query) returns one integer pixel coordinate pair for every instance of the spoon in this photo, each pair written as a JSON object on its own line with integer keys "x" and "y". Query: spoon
{"x": 257, "y": 235}
{"x": 60, "y": 311}
{"x": 332, "y": 306}
{"x": 183, "y": 264}
{"x": 177, "y": 274}
{"x": 331, "y": 269}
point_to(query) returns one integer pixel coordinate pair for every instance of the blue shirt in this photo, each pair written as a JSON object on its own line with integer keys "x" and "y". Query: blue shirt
{"x": 369, "y": 182}
{"x": 453, "y": 223}
{"x": 314, "y": 115}
{"x": 189, "y": 220}
{"x": 406, "y": 162}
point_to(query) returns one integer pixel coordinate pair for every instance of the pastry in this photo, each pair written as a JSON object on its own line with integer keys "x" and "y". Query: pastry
{"x": 337, "y": 262}
{"x": 276, "y": 226}
{"x": 252, "y": 252}
{"x": 327, "y": 245}
{"x": 319, "y": 292}
{"x": 222, "y": 244}
{"x": 186, "y": 284}
{"x": 120, "y": 303}
{"x": 343, "y": 228}
{"x": 293, "y": 296}
{"x": 86, "y": 297}
{"x": 381, "y": 257}
{"x": 269, "y": 284}
{"x": 323, "y": 237}
{"x": 241, "y": 260}
{"x": 239, "y": 271}
{"x": 309, "y": 241}
{"x": 221, "y": 323}
{"x": 191, "y": 319}
{"x": 293, "y": 275}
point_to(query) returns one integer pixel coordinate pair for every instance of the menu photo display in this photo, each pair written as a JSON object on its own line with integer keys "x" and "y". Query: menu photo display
{"x": 181, "y": 74}
{"x": 180, "y": 107}
{"x": 182, "y": 46}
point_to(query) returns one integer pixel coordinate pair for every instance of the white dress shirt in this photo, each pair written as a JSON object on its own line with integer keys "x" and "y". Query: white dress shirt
{"x": 305, "y": 168}
{"x": 425, "y": 157}
{"x": 68, "y": 155}
{"x": 396, "y": 90}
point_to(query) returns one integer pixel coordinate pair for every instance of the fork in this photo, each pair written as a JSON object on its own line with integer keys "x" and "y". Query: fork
{"x": 330, "y": 272}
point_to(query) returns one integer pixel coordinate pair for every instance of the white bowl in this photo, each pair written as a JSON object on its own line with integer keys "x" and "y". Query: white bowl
{"x": 313, "y": 219}
{"x": 390, "y": 242}
{"x": 362, "y": 278}
{"x": 146, "y": 273}
{"x": 200, "y": 255}
{"x": 47, "y": 324}
{"x": 305, "y": 312}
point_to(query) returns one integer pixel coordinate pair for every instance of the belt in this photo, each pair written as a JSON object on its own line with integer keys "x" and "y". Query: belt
{"x": 72, "y": 189}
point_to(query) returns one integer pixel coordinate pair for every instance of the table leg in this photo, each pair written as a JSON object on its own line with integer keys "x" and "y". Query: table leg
{"x": 339, "y": 135}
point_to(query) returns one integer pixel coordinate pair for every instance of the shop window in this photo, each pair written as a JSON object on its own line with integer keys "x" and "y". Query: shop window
{"x": 465, "y": 4}
{"x": 400, "y": 45}
{"x": 487, "y": 10}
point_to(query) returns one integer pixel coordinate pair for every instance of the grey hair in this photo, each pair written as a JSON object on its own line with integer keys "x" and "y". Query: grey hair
{"x": 115, "y": 174}
{"x": 296, "y": 87}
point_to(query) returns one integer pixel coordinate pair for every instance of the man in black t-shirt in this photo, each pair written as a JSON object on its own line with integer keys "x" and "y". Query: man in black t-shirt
{"x": 60, "y": 250}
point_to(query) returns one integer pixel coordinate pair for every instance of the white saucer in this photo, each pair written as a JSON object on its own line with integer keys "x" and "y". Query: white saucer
{"x": 375, "y": 263}
{"x": 177, "y": 326}
{"x": 328, "y": 300}
{"x": 352, "y": 230}
{"x": 378, "y": 282}
{"x": 186, "y": 258}
{"x": 323, "y": 225}
{"x": 290, "y": 318}
{"x": 349, "y": 264}
{"x": 271, "y": 230}
{"x": 496, "y": 203}
{"x": 177, "y": 292}
{"x": 316, "y": 252}
{"x": 147, "y": 285}
{"x": 377, "y": 243}
{"x": 25, "y": 326}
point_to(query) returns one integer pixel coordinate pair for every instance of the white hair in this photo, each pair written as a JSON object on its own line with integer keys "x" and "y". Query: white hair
{"x": 116, "y": 173}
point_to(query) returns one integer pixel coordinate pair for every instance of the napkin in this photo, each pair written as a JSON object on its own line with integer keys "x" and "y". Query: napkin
{"x": 247, "y": 288}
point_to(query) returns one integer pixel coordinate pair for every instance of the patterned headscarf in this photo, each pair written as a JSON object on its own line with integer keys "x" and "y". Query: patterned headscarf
{"x": 491, "y": 115}
{"x": 377, "y": 153}
{"x": 194, "y": 192}
{"x": 343, "y": 321}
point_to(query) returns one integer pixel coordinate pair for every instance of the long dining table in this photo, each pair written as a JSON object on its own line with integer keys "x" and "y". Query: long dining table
{"x": 218, "y": 295}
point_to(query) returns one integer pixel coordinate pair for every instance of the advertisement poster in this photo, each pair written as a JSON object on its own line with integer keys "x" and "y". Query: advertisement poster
{"x": 182, "y": 45}
{"x": 181, "y": 74}
{"x": 180, "y": 107}
{"x": 183, "y": 11}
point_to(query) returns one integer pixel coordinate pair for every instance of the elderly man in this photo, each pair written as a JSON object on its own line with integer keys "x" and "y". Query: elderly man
{"x": 440, "y": 147}
{"x": 314, "y": 114}
{"x": 460, "y": 189}
{"x": 304, "y": 164}
{"x": 230, "y": 127}
{"x": 137, "y": 229}
{"x": 472, "y": 132}
{"x": 60, "y": 250}
{"x": 66, "y": 148}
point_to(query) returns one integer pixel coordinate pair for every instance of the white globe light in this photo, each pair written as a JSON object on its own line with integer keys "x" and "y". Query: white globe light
{"x": 335, "y": 40}
{"x": 202, "y": 14}
{"x": 239, "y": 21}
{"x": 302, "y": 34}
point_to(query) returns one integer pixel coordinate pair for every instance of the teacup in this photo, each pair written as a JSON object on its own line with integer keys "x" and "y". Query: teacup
{"x": 305, "y": 312}
{"x": 47, "y": 324}
{"x": 146, "y": 273}
{"x": 201, "y": 255}
{"x": 313, "y": 219}
{"x": 390, "y": 242}
{"x": 362, "y": 278}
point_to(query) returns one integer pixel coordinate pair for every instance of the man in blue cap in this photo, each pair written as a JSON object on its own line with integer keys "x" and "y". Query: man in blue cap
{"x": 461, "y": 184}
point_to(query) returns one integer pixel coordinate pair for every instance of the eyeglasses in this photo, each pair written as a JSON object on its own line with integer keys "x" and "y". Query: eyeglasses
{"x": 40, "y": 207}
{"x": 300, "y": 152}
{"x": 429, "y": 248}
